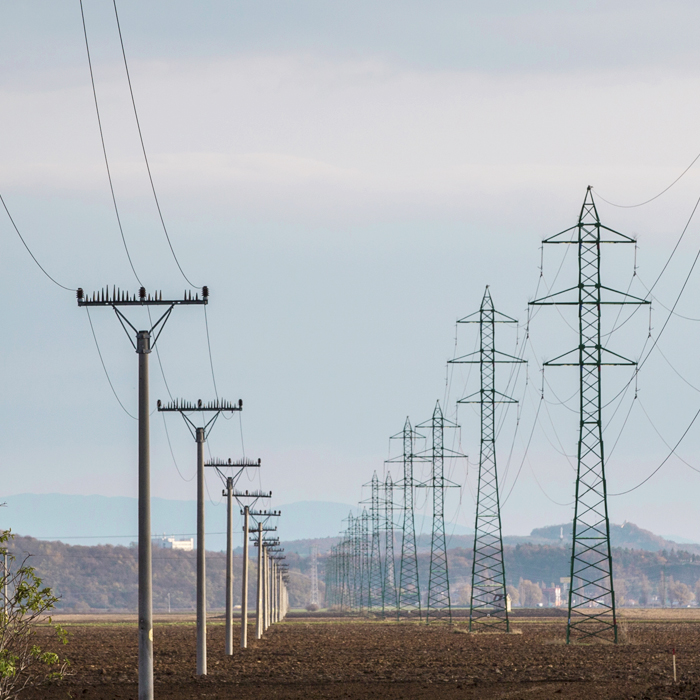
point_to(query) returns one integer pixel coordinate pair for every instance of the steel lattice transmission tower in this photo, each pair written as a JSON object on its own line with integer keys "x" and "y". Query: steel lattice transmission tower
{"x": 375, "y": 596}
{"x": 409, "y": 584}
{"x": 389, "y": 599}
{"x": 488, "y": 605}
{"x": 365, "y": 595}
{"x": 314, "y": 576}
{"x": 438, "y": 580}
{"x": 591, "y": 592}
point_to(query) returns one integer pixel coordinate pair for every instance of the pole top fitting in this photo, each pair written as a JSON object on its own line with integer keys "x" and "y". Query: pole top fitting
{"x": 143, "y": 342}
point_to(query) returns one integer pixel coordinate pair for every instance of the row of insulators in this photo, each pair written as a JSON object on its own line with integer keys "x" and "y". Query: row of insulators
{"x": 103, "y": 296}
{"x": 237, "y": 463}
{"x": 218, "y": 405}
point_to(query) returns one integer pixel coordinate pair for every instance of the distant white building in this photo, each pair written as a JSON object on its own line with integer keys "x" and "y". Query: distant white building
{"x": 166, "y": 542}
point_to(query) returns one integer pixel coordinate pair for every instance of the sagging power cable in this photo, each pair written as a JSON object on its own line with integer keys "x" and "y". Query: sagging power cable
{"x": 104, "y": 148}
{"x": 143, "y": 149}
{"x": 33, "y": 257}
{"x": 666, "y": 189}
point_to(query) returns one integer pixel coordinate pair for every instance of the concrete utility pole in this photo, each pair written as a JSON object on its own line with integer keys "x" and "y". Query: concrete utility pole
{"x": 244, "y": 577}
{"x": 200, "y": 434}
{"x": 143, "y": 345}
{"x": 240, "y": 497}
{"x": 271, "y": 549}
{"x": 261, "y": 518}
{"x": 258, "y": 608}
{"x": 230, "y": 493}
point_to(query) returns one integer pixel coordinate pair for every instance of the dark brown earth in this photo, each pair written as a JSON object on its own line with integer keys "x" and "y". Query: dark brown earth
{"x": 309, "y": 659}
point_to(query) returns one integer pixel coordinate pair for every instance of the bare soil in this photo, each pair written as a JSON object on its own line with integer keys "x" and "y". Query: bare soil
{"x": 310, "y": 658}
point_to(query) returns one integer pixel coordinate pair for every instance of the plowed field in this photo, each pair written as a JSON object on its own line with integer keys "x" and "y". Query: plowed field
{"x": 321, "y": 658}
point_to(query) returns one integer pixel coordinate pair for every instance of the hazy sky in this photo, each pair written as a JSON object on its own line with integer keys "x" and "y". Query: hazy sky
{"x": 346, "y": 178}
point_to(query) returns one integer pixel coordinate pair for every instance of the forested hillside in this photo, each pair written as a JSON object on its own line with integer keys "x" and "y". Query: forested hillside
{"x": 104, "y": 577}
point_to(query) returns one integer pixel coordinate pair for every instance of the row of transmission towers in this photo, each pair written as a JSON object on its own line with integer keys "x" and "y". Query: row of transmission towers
{"x": 361, "y": 571}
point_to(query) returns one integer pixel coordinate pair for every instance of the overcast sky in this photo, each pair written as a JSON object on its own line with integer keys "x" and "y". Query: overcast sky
{"x": 346, "y": 178}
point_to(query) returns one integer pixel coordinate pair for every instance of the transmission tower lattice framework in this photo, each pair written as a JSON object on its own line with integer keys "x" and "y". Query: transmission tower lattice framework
{"x": 438, "y": 580}
{"x": 375, "y": 589}
{"x": 389, "y": 599}
{"x": 591, "y": 591}
{"x": 408, "y": 596}
{"x": 488, "y": 605}
{"x": 314, "y": 576}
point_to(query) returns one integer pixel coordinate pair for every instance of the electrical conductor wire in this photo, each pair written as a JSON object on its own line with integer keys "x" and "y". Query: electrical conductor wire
{"x": 143, "y": 147}
{"x": 104, "y": 148}
{"x": 24, "y": 243}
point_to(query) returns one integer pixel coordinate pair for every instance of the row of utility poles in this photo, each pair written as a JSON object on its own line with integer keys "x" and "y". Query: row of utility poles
{"x": 272, "y": 578}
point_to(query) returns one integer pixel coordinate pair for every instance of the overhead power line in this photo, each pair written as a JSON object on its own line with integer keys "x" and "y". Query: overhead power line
{"x": 656, "y": 196}
{"x": 104, "y": 148}
{"x": 143, "y": 148}
{"x": 668, "y": 456}
{"x": 24, "y": 243}
{"x": 104, "y": 367}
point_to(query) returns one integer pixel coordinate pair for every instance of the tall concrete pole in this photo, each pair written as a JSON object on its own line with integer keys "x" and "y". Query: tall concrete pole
{"x": 143, "y": 349}
{"x": 201, "y": 562}
{"x": 259, "y": 606}
{"x": 229, "y": 566}
{"x": 266, "y": 587}
{"x": 271, "y": 616}
{"x": 244, "y": 592}
{"x": 273, "y": 591}
{"x": 279, "y": 595}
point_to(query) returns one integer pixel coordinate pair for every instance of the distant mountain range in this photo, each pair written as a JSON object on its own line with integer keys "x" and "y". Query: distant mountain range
{"x": 113, "y": 520}
{"x": 93, "y": 520}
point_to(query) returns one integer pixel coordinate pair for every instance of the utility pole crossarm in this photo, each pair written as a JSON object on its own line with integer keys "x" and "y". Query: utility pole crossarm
{"x": 241, "y": 463}
{"x": 119, "y": 297}
{"x": 251, "y": 494}
{"x": 178, "y": 406}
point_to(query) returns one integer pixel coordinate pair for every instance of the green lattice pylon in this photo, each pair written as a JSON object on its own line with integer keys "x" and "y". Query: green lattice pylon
{"x": 365, "y": 594}
{"x": 375, "y": 584}
{"x": 591, "y": 591}
{"x": 389, "y": 599}
{"x": 439, "y": 603}
{"x": 408, "y": 594}
{"x": 488, "y": 605}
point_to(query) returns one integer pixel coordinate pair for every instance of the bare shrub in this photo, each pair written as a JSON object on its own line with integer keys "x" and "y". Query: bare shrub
{"x": 22, "y": 661}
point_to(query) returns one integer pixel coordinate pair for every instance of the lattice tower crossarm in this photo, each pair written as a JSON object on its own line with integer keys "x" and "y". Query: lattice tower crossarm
{"x": 488, "y": 603}
{"x": 591, "y": 593}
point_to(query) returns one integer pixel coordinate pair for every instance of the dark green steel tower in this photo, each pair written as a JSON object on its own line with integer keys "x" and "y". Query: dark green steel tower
{"x": 376, "y": 581}
{"x": 439, "y": 603}
{"x": 591, "y": 591}
{"x": 389, "y": 599}
{"x": 488, "y": 605}
{"x": 409, "y": 585}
